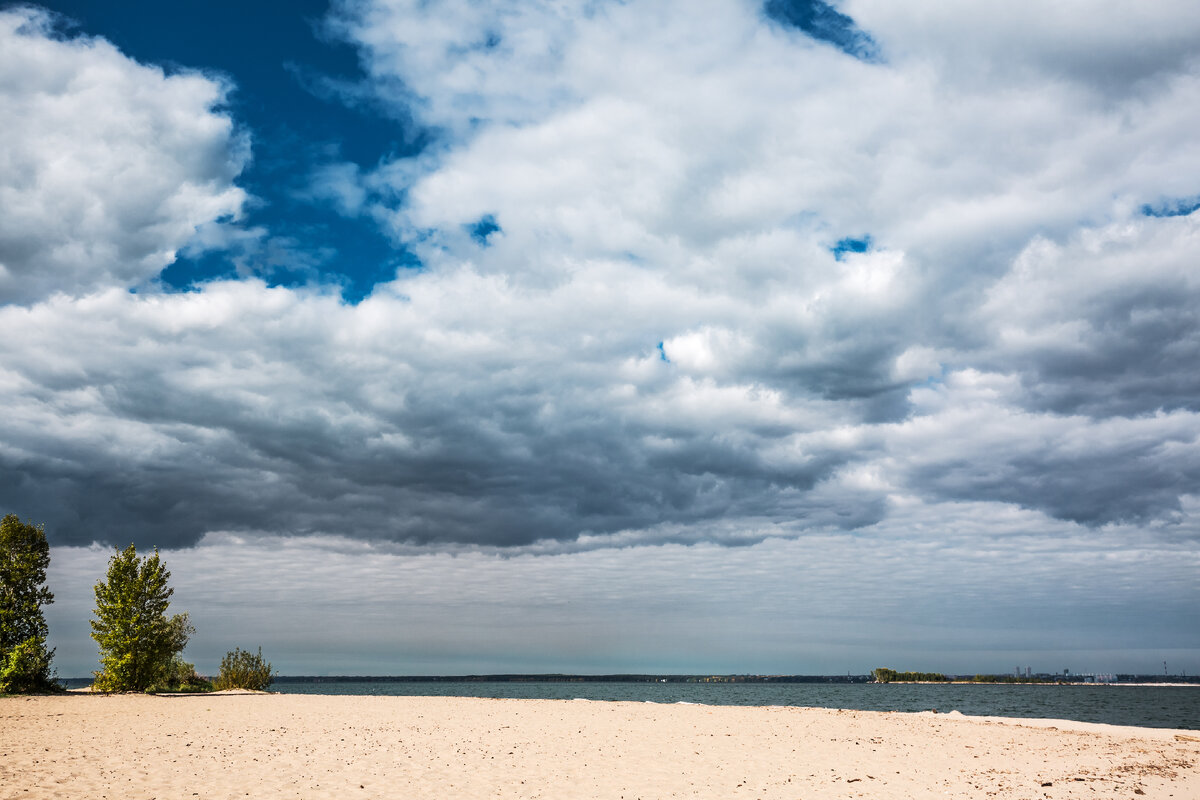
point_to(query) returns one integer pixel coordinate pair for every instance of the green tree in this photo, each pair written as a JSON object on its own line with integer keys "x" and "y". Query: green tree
{"x": 24, "y": 557}
{"x": 241, "y": 669}
{"x": 138, "y": 641}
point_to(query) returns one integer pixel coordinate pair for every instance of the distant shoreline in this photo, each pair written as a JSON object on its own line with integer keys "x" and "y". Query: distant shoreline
{"x": 716, "y": 679}
{"x": 1139, "y": 680}
{"x": 1050, "y": 683}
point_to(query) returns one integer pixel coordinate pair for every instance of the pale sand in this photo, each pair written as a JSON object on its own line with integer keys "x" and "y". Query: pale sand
{"x": 286, "y": 746}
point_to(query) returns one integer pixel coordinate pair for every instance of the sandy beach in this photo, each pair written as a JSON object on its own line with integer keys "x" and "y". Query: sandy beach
{"x": 306, "y": 746}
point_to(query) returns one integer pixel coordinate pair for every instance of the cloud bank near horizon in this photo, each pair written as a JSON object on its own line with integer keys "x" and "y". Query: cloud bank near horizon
{"x": 684, "y": 278}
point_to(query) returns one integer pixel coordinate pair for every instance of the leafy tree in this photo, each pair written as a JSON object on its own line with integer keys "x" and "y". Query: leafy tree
{"x": 138, "y": 641}
{"x": 24, "y": 557}
{"x": 241, "y": 669}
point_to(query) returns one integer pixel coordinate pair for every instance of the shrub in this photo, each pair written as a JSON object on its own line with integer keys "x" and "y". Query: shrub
{"x": 241, "y": 669}
{"x": 180, "y": 676}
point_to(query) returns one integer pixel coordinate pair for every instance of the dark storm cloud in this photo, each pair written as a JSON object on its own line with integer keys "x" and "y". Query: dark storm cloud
{"x": 1105, "y": 324}
{"x": 488, "y": 468}
{"x": 1133, "y": 362}
{"x": 1122, "y": 473}
{"x": 287, "y": 435}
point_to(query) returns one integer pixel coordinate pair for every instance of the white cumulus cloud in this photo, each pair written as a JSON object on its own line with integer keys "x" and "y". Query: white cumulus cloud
{"x": 107, "y": 166}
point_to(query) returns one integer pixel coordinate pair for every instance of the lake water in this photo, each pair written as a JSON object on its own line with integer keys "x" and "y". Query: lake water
{"x": 1146, "y": 706}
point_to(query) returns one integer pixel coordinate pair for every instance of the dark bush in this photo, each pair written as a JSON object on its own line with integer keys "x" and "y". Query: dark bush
{"x": 241, "y": 669}
{"x": 180, "y": 676}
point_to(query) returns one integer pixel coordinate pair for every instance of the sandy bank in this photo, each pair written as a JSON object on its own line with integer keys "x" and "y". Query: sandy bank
{"x": 285, "y": 746}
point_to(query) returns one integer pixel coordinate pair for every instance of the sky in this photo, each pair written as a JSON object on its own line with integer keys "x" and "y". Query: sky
{"x": 596, "y": 336}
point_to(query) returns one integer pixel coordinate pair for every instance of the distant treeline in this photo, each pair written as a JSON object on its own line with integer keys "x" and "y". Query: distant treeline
{"x": 560, "y": 678}
{"x": 1018, "y": 679}
{"x": 886, "y": 675}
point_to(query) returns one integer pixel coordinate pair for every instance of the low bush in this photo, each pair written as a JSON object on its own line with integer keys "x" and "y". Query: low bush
{"x": 180, "y": 676}
{"x": 175, "y": 676}
{"x": 241, "y": 669}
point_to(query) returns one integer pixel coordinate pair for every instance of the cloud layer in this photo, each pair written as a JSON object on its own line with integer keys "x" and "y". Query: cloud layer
{"x": 654, "y": 336}
{"x": 950, "y": 586}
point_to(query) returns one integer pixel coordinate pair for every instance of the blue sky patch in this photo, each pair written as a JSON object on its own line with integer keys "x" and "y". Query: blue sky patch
{"x": 483, "y": 228}
{"x": 850, "y": 245}
{"x": 825, "y": 23}
{"x": 1177, "y": 207}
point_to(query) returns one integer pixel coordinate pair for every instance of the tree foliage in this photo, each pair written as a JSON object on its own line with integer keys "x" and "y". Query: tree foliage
{"x": 241, "y": 669}
{"x": 26, "y": 668}
{"x": 137, "y": 640}
{"x": 24, "y": 557}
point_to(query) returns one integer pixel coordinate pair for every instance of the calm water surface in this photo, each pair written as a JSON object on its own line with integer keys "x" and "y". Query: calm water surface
{"x": 1146, "y": 706}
